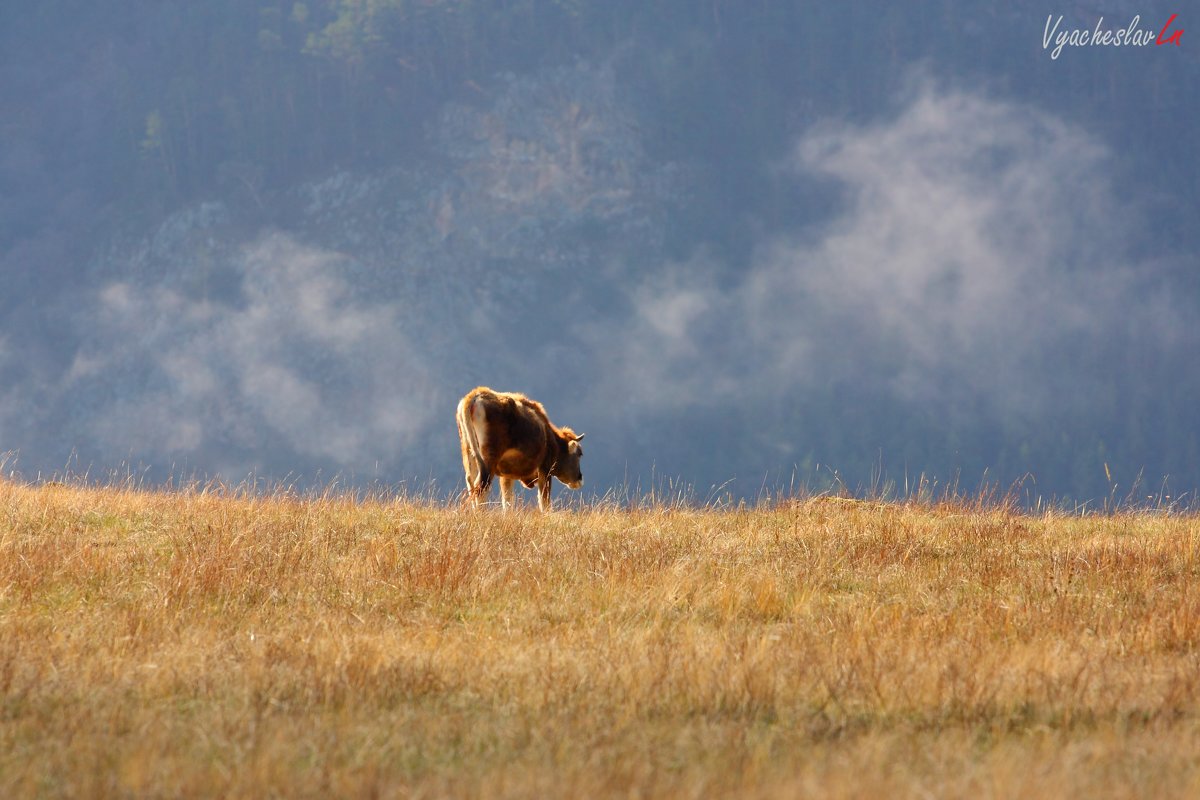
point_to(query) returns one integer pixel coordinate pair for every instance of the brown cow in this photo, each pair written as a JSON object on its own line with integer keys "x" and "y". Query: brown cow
{"x": 510, "y": 436}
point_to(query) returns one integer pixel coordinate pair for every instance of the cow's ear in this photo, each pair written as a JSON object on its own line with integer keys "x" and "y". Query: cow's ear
{"x": 573, "y": 447}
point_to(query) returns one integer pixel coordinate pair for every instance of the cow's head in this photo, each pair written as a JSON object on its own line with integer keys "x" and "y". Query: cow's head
{"x": 568, "y": 469}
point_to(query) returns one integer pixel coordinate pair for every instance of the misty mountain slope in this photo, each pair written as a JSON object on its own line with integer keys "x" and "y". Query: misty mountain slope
{"x": 734, "y": 244}
{"x": 960, "y": 291}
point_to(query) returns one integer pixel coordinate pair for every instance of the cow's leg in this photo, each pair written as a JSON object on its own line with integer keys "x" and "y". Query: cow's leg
{"x": 468, "y": 495}
{"x": 472, "y": 479}
{"x": 470, "y": 472}
{"x": 506, "y": 493}
{"x": 544, "y": 493}
{"x": 480, "y": 486}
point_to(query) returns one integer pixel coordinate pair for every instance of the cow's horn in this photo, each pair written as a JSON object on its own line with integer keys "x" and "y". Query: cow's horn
{"x": 580, "y": 436}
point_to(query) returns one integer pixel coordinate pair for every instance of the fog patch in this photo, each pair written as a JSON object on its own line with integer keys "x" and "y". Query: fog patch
{"x": 295, "y": 358}
{"x": 975, "y": 235}
{"x": 980, "y": 243}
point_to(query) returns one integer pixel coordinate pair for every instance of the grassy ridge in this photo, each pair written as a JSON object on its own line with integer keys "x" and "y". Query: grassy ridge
{"x": 191, "y": 644}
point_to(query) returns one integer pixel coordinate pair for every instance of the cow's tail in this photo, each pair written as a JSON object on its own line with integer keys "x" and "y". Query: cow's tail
{"x": 479, "y": 479}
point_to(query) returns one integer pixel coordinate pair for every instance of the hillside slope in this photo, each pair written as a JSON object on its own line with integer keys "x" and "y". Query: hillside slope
{"x": 198, "y": 643}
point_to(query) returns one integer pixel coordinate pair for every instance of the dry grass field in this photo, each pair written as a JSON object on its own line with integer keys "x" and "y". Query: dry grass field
{"x": 192, "y": 644}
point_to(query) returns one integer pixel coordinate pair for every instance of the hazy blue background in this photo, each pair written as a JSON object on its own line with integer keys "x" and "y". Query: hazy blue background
{"x": 734, "y": 242}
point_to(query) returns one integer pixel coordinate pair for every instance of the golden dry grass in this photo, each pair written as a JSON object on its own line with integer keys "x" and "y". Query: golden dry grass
{"x": 187, "y": 644}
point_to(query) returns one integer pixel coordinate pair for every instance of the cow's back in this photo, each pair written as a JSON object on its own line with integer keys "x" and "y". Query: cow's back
{"x": 528, "y": 426}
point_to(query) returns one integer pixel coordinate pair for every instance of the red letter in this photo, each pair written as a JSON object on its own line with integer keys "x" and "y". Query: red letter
{"x": 1175, "y": 37}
